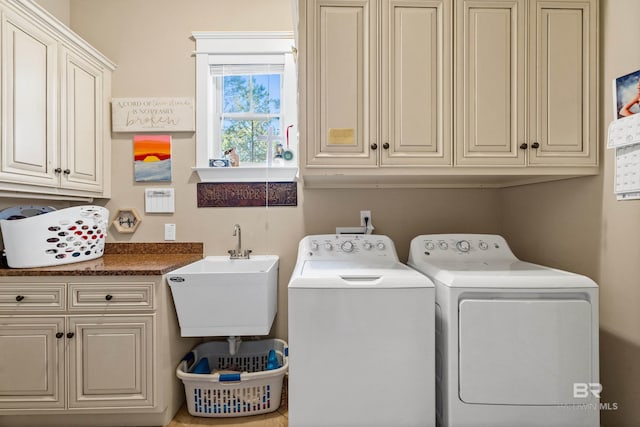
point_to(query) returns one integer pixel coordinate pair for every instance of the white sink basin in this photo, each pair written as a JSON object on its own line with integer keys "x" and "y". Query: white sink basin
{"x": 225, "y": 265}
{"x": 218, "y": 296}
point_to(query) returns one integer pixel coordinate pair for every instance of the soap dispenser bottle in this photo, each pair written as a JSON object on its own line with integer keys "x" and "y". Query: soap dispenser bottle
{"x": 272, "y": 361}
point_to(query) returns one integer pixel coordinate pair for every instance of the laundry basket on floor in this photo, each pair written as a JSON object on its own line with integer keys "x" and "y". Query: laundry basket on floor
{"x": 237, "y": 385}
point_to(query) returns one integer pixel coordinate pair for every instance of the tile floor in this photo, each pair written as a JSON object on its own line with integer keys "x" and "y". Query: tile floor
{"x": 272, "y": 419}
{"x": 278, "y": 418}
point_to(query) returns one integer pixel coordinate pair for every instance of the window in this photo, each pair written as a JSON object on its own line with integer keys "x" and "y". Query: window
{"x": 247, "y": 115}
{"x": 246, "y": 106}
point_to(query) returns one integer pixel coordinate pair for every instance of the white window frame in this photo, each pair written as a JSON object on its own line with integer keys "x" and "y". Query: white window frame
{"x": 219, "y": 48}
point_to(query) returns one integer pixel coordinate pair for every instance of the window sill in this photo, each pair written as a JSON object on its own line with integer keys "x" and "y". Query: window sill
{"x": 248, "y": 174}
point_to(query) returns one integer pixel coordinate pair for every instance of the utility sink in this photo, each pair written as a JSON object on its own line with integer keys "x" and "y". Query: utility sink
{"x": 219, "y": 296}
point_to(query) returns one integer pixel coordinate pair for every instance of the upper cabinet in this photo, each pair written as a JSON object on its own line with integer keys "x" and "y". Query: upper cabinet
{"x": 82, "y": 123}
{"x": 441, "y": 92}
{"x": 563, "y": 87}
{"x": 29, "y": 101}
{"x": 490, "y": 82}
{"x": 341, "y": 119}
{"x": 375, "y": 84}
{"x": 55, "y": 90}
{"x": 511, "y": 114}
{"x": 415, "y": 83}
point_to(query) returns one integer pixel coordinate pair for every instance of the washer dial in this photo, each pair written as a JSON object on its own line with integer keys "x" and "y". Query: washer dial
{"x": 463, "y": 245}
{"x": 347, "y": 246}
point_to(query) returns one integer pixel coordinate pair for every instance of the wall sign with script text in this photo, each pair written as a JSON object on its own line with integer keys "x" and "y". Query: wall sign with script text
{"x": 246, "y": 194}
{"x": 152, "y": 115}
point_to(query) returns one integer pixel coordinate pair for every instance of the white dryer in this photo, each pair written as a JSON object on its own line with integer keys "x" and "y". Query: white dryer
{"x": 361, "y": 336}
{"x": 516, "y": 343}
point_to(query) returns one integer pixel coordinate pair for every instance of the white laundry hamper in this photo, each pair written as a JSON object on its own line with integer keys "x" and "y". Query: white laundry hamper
{"x": 251, "y": 390}
{"x": 59, "y": 237}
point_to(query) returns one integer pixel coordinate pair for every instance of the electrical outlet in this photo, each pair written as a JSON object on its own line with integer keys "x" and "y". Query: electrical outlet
{"x": 363, "y": 215}
{"x": 169, "y": 232}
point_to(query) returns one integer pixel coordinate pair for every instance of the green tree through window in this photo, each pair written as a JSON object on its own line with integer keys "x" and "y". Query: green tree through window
{"x": 250, "y": 106}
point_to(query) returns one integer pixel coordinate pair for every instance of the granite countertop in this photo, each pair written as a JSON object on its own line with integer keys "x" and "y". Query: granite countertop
{"x": 123, "y": 259}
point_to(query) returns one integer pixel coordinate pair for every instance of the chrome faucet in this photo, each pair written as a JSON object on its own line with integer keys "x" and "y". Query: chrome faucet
{"x": 238, "y": 253}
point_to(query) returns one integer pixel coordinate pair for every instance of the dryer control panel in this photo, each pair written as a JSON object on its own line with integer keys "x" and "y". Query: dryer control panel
{"x": 347, "y": 247}
{"x": 457, "y": 246}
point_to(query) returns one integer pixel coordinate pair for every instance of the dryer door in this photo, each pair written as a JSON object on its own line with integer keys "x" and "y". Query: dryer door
{"x": 524, "y": 352}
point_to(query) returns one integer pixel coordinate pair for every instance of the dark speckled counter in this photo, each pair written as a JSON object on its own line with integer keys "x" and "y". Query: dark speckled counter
{"x": 123, "y": 259}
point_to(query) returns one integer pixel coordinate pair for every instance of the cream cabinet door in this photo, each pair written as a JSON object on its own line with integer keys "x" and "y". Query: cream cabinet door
{"x": 563, "y": 85}
{"x": 111, "y": 361}
{"x": 81, "y": 123}
{"x": 29, "y": 107}
{"x": 341, "y": 82}
{"x": 32, "y": 362}
{"x": 490, "y": 79}
{"x": 416, "y": 82}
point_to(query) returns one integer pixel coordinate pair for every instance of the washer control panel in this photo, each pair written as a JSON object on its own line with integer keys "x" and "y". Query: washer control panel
{"x": 455, "y": 246}
{"x": 347, "y": 246}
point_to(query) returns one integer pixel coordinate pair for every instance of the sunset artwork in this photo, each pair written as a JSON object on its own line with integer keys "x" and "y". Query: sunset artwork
{"x": 152, "y": 157}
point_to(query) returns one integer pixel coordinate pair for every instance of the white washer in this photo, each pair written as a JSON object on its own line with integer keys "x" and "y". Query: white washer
{"x": 361, "y": 336}
{"x": 516, "y": 343}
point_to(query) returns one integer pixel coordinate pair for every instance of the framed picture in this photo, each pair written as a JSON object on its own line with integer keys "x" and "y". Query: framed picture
{"x": 626, "y": 95}
{"x": 152, "y": 157}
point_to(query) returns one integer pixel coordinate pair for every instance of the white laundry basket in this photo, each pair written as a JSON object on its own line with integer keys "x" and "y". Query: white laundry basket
{"x": 59, "y": 237}
{"x": 249, "y": 390}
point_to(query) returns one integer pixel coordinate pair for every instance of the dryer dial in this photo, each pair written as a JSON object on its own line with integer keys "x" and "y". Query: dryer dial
{"x": 328, "y": 246}
{"x": 367, "y": 246}
{"x": 381, "y": 246}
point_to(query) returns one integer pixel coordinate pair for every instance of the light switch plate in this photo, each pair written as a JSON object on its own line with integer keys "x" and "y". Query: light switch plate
{"x": 169, "y": 232}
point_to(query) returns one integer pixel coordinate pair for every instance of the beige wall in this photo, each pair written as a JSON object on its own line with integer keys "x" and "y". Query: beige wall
{"x": 620, "y": 240}
{"x": 61, "y": 9}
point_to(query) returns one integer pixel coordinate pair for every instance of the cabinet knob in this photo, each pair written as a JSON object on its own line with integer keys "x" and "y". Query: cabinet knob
{"x": 57, "y": 170}
{"x": 374, "y": 146}
{"x": 70, "y": 334}
{"x": 59, "y": 335}
{"x": 385, "y": 145}
{"x": 108, "y": 297}
{"x": 67, "y": 171}
{"x": 19, "y": 298}
{"x": 524, "y": 145}
{"x": 535, "y": 145}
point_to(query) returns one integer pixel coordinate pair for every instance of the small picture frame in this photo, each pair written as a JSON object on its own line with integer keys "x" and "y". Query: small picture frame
{"x": 126, "y": 220}
{"x": 626, "y": 95}
{"x": 152, "y": 158}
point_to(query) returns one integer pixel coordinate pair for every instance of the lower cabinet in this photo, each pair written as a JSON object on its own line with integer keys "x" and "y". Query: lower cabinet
{"x": 107, "y": 358}
{"x": 110, "y": 361}
{"x": 32, "y": 354}
{"x": 81, "y": 347}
